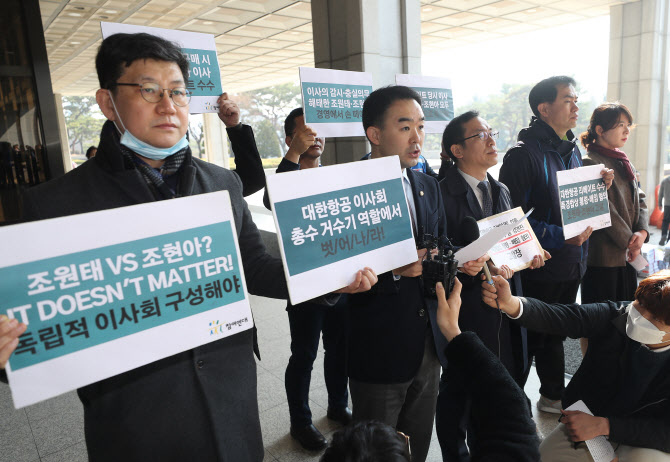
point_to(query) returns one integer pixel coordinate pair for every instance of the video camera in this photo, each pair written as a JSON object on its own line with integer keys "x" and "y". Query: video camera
{"x": 440, "y": 267}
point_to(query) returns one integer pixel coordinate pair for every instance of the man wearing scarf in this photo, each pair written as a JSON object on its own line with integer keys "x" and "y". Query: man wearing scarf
{"x": 200, "y": 404}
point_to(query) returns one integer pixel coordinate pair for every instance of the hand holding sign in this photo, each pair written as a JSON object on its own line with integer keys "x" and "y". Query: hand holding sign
{"x": 229, "y": 112}
{"x": 538, "y": 261}
{"x": 580, "y": 238}
{"x": 608, "y": 176}
{"x": 473, "y": 267}
{"x": 10, "y": 330}
{"x": 365, "y": 279}
{"x": 414, "y": 269}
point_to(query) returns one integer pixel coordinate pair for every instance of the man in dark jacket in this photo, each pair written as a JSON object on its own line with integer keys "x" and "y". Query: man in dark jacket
{"x": 201, "y": 403}
{"x": 624, "y": 378}
{"x": 529, "y": 171}
{"x": 308, "y": 320}
{"x": 469, "y": 191}
{"x": 393, "y": 364}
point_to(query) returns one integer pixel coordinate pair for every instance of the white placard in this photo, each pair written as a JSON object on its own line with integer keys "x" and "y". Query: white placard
{"x": 333, "y": 100}
{"x": 518, "y": 247}
{"x": 204, "y": 79}
{"x": 437, "y": 99}
{"x": 601, "y": 450}
{"x": 333, "y": 221}
{"x": 109, "y": 291}
{"x": 583, "y": 200}
{"x": 476, "y": 249}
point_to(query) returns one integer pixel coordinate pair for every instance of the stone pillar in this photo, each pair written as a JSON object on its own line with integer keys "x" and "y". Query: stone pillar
{"x": 62, "y": 131}
{"x": 216, "y": 140}
{"x": 382, "y": 37}
{"x": 638, "y": 72}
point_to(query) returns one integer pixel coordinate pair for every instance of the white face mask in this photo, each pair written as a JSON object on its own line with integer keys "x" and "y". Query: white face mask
{"x": 140, "y": 147}
{"x": 642, "y": 330}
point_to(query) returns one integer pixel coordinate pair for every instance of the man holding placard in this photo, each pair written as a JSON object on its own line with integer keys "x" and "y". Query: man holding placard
{"x": 393, "y": 363}
{"x": 529, "y": 171}
{"x": 468, "y": 190}
{"x": 308, "y": 320}
{"x": 202, "y": 402}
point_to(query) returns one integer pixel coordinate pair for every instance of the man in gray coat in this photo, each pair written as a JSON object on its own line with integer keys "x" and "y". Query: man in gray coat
{"x": 199, "y": 404}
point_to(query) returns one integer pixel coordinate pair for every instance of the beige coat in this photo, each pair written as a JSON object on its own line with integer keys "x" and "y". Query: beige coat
{"x": 607, "y": 247}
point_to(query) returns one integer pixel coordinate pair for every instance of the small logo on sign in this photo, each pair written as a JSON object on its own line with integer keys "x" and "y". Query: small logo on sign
{"x": 215, "y": 327}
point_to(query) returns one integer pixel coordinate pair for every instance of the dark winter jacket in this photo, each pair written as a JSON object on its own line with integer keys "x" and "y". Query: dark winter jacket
{"x": 529, "y": 171}
{"x": 501, "y": 416}
{"x": 460, "y": 202}
{"x": 619, "y": 378}
{"x": 201, "y": 403}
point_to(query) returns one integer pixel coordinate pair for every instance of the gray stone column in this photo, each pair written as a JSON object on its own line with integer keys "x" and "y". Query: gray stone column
{"x": 382, "y": 37}
{"x": 638, "y": 74}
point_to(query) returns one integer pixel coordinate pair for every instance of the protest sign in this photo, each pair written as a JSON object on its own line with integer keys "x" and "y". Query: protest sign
{"x": 583, "y": 197}
{"x": 204, "y": 75}
{"x": 327, "y": 230}
{"x": 106, "y": 292}
{"x": 518, "y": 247}
{"x": 486, "y": 242}
{"x": 333, "y": 100}
{"x": 437, "y": 101}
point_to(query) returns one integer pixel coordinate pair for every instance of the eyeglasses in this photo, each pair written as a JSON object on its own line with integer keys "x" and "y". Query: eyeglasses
{"x": 153, "y": 93}
{"x": 483, "y": 136}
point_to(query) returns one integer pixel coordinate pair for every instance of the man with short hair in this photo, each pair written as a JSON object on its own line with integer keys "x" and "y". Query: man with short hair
{"x": 468, "y": 190}
{"x": 201, "y": 403}
{"x": 307, "y": 320}
{"x": 529, "y": 169}
{"x": 393, "y": 364}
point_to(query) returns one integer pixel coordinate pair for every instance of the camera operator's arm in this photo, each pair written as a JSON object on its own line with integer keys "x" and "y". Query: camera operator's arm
{"x": 571, "y": 320}
{"x": 482, "y": 373}
{"x": 448, "y": 309}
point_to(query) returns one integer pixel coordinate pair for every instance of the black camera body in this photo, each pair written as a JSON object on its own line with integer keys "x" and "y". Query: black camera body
{"x": 439, "y": 267}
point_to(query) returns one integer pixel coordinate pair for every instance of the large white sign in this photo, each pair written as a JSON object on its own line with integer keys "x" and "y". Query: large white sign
{"x": 106, "y": 292}
{"x": 333, "y": 100}
{"x": 333, "y": 221}
{"x": 204, "y": 75}
{"x": 437, "y": 100}
{"x": 583, "y": 198}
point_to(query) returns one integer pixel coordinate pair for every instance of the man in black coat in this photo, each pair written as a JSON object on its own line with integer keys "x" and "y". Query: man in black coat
{"x": 309, "y": 320}
{"x": 468, "y": 190}
{"x": 200, "y": 404}
{"x": 393, "y": 363}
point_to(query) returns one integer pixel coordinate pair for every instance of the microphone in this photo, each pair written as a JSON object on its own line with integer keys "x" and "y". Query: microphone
{"x": 471, "y": 233}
